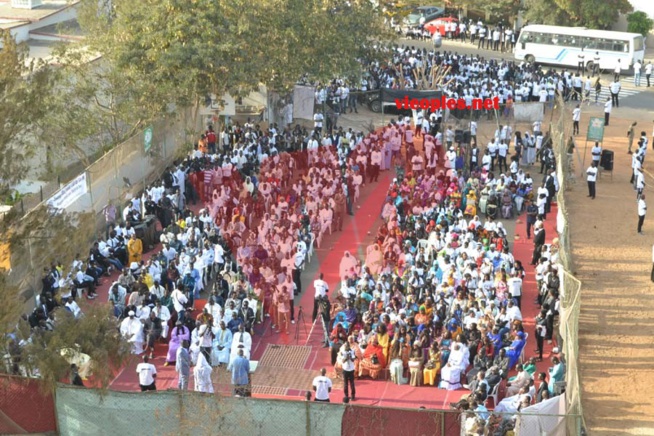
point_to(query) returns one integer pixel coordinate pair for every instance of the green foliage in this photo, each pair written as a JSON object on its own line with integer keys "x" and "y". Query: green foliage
{"x": 546, "y": 12}
{"x": 24, "y": 98}
{"x": 594, "y": 14}
{"x": 639, "y": 22}
{"x": 10, "y": 309}
{"x": 94, "y": 334}
{"x": 495, "y": 8}
{"x": 39, "y": 240}
{"x": 231, "y": 46}
{"x": 98, "y": 105}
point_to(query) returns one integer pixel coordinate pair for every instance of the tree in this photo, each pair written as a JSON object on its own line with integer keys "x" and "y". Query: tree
{"x": 95, "y": 334}
{"x": 546, "y": 12}
{"x": 24, "y": 98}
{"x": 594, "y": 14}
{"x": 231, "y": 46}
{"x": 639, "y": 22}
{"x": 36, "y": 241}
{"x": 96, "y": 106}
{"x": 495, "y": 8}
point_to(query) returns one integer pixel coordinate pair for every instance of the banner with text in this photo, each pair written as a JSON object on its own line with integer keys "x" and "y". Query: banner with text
{"x": 69, "y": 193}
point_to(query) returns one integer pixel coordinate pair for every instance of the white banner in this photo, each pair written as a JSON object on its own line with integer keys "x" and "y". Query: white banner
{"x": 69, "y": 193}
{"x": 303, "y": 101}
{"x": 528, "y": 111}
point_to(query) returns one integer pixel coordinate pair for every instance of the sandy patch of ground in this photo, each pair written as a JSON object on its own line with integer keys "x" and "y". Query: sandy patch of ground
{"x": 614, "y": 262}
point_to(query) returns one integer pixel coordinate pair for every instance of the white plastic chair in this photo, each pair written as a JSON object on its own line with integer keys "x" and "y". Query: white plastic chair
{"x": 310, "y": 250}
{"x": 522, "y": 353}
{"x": 493, "y": 395}
{"x": 424, "y": 243}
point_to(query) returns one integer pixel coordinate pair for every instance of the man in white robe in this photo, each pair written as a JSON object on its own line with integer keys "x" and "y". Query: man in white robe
{"x": 215, "y": 311}
{"x": 202, "y": 375}
{"x": 222, "y": 344}
{"x": 348, "y": 265}
{"x": 451, "y": 373}
{"x": 132, "y": 329}
{"x": 241, "y": 341}
{"x": 194, "y": 349}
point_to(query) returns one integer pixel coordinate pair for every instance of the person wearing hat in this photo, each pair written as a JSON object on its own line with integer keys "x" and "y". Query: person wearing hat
{"x": 131, "y": 328}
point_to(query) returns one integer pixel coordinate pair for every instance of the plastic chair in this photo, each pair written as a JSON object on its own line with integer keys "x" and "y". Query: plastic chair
{"x": 310, "y": 250}
{"x": 493, "y": 395}
{"x": 424, "y": 243}
{"x": 521, "y": 359}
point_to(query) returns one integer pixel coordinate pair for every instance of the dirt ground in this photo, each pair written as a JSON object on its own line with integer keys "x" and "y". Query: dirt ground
{"x": 613, "y": 262}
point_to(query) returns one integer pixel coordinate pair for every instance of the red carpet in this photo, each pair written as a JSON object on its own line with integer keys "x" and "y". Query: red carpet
{"x": 523, "y": 250}
{"x": 355, "y": 238}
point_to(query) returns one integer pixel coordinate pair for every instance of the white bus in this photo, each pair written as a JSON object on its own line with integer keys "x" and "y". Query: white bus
{"x": 557, "y": 45}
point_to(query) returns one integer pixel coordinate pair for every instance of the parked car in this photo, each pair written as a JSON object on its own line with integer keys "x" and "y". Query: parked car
{"x": 375, "y": 104}
{"x": 439, "y": 25}
{"x": 429, "y": 12}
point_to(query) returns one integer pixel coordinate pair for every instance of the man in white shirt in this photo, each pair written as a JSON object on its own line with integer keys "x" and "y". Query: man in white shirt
{"x": 608, "y": 106}
{"x": 615, "y": 88}
{"x": 639, "y": 181}
{"x": 515, "y": 288}
{"x": 73, "y": 307}
{"x": 642, "y": 210}
{"x": 179, "y": 302}
{"x": 147, "y": 374}
{"x": 617, "y": 71}
{"x": 321, "y": 288}
{"x": 576, "y": 117}
{"x": 648, "y": 72}
{"x": 346, "y": 357}
{"x": 596, "y": 153}
{"x": 322, "y": 386}
{"x": 591, "y": 178}
{"x": 317, "y": 122}
{"x": 375, "y": 164}
{"x": 637, "y": 67}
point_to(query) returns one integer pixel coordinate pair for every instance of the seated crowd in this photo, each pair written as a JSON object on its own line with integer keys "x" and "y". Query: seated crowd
{"x": 437, "y": 298}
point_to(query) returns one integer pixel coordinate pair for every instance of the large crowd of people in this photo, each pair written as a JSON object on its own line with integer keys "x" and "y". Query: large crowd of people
{"x": 435, "y": 301}
{"x": 437, "y": 298}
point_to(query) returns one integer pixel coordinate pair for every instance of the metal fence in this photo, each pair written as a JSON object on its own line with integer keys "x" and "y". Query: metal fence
{"x": 570, "y": 297}
{"x": 117, "y": 176}
{"x": 24, "y": 408}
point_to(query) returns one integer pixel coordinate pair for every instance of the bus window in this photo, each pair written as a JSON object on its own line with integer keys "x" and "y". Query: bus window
{"x": 555, "y": 40}
{"x": 590, "y": 43}
{"x": 526, "y": 37}
{"x": 619, "y": 46}
{"x": 603, "y": 44}
{"x": 638, "y": 43}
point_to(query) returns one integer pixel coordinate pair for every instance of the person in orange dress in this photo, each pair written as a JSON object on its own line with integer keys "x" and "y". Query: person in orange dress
{"x": 373, "y": 360}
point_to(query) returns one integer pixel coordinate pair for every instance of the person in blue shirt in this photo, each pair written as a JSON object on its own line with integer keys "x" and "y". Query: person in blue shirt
{"x": 480, "y": 410}
{"x": 234, "y": 323}
{"x": 557, "y": 374}
{"x": 241, "y": 375}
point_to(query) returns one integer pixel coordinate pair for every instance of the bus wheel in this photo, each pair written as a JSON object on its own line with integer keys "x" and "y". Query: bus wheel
{"x": 530, "y": 59}
{"x": 589, "y": 66}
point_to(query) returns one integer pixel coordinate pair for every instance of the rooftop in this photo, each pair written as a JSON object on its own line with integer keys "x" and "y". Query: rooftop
{"x": 48, "y": 8}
